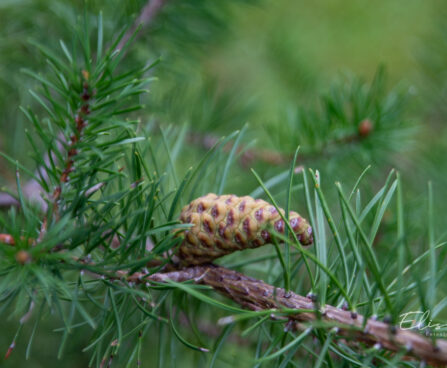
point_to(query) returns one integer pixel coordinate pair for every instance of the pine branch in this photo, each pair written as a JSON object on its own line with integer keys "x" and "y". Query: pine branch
{"x": 249, "y": 156}
{"x": 258, "y": 295}
{"x": 32, "y": 190}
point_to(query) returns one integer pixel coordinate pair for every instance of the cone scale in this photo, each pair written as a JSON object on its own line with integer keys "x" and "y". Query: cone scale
{"x": 227, "y": 223}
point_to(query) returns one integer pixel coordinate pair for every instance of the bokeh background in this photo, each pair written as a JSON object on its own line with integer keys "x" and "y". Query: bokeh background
{"x": 228, "y": 63}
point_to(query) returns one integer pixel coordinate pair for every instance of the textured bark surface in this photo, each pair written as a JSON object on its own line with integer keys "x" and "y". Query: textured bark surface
{"x": 256, "y": 295}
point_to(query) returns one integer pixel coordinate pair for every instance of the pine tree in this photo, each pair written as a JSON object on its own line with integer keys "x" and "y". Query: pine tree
{"x": 111, "y": 251}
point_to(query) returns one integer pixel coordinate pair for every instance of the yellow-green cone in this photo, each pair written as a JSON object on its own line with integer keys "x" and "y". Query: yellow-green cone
{"x": 227, "y": 223}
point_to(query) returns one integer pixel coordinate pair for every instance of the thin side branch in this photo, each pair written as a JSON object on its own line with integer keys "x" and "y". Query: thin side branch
{"x": 250, "y": 156}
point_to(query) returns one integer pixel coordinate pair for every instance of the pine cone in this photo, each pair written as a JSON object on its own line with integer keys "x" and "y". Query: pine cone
{"x": 227, "y": 223}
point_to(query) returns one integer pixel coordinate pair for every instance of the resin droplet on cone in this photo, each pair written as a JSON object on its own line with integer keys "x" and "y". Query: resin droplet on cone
{"x": 227, "y": 223}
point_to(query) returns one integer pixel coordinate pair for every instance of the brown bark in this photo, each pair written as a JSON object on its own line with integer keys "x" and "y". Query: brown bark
{"x": 257, "y": 295}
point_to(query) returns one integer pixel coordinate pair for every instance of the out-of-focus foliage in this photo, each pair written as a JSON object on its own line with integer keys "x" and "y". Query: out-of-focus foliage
{"x": 353, "y": 116}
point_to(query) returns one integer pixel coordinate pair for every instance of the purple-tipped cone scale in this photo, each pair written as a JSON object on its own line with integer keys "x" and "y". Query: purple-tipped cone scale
{"x": 227, "y": 223}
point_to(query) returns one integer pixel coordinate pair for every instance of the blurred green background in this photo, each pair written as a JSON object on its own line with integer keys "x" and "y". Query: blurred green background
{"x": 227, "y": 63}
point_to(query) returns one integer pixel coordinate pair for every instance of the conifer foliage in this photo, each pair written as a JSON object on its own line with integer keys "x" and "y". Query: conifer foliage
{"x": 122, "y": 249}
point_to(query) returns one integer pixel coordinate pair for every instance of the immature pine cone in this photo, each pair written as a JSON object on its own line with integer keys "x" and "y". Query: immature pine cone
{"x": 226, "y": 223}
